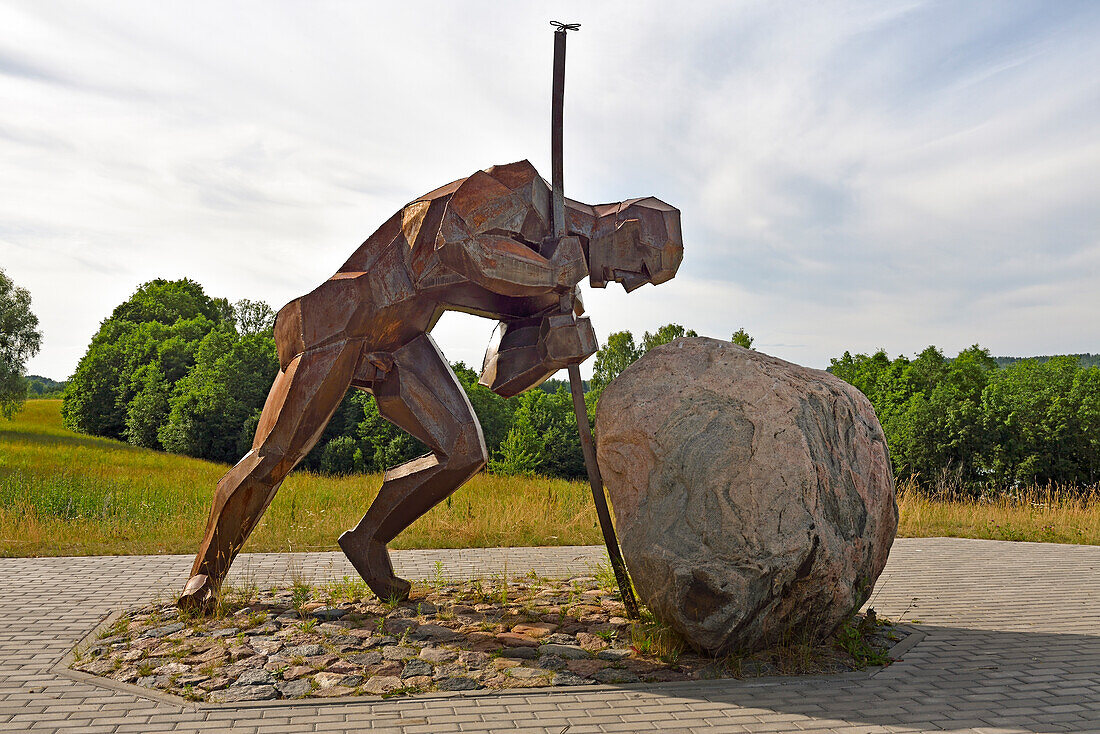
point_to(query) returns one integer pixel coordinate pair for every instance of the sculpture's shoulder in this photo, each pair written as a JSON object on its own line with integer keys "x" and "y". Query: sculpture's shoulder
{"x": 507, "y": 199}
{"x": 516, "y": 176}
{"x": 412, "y": 228}
{"x": 510, "y": 197}
{"x": 510, "y": 177}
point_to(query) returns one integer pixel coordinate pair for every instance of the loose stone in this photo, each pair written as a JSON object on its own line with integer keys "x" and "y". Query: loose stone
{"x": 525, "y": 653}
{"x": 435, "y": 632}
{"x": 473, "y": 659}
{"x": 452, "y": 670}
{"x": 349, "y": 656}
{"x": 437, "y": 655}
{"x": 398, "y": 652}
{"x": 328, "y": 614}
{"x": 552, "y": 662}
{"x": 512, "y": 639}
{"x": 372, "y": 657}
{"x": 265, "y": 645}
{"x": 568, "y": 679}
{"x": 399, "y": 626}
{"x": 527, "y": 673}
{"x": 294, "y": 688}
{"x": 254, "y": 677}
{"x": 98, "y": 667}
{"x": 380, "y": 684}
{"x": 296, "y": 671}
{"x": 457, "y": 684}
{"x": 569, "y": 652}
{"x": 537, "y": 630}
{"x": 615, "y": 653}
{"x": 616, "y": 675}
{"x": 163, "y": 631}
{"x": 333, "y": 692}
{"x": 589, "y": 642}
{"x": 215, "y": 684}
{"x": 416, "y": 667}
{"x": 244, "y": 693}
{"x": 586, "y": 667}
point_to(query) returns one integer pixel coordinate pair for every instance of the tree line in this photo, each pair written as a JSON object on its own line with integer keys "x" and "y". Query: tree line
{"x": 174, "y": 369}
{"x": 967, "y": 423}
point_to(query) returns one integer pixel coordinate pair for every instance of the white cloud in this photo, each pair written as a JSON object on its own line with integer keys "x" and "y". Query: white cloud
{"x": 851, "y": 175}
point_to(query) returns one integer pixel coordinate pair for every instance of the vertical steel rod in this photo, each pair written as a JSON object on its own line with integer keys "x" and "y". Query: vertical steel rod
{"x": 557, "y": 112}
{"x": 598, "y": 497}
{"x": 576, "y": 386}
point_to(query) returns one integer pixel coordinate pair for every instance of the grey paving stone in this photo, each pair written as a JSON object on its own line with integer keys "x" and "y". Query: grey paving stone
{"x": 1011, "y": 642}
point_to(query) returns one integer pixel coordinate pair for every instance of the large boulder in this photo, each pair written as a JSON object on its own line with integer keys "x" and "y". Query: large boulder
{"x": 754, "y": 498}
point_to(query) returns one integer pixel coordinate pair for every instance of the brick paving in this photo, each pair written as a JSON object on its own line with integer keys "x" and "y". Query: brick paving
{"x": 1011, "y": 644}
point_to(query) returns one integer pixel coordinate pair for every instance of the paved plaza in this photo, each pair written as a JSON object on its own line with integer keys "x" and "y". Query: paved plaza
{"x": 1009, "y": 641}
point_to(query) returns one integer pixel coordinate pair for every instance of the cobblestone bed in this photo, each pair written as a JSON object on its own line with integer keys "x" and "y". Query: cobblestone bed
{"x": 329, "y": 642}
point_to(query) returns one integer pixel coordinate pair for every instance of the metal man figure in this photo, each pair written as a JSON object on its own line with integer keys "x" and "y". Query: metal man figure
{"x": 481, "y": 245}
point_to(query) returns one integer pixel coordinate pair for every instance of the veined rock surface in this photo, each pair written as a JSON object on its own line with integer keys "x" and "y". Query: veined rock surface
{"x": 753, "y": 497}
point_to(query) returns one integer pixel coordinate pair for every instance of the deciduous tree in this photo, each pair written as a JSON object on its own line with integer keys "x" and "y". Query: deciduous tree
{"x": 19, "y": 341}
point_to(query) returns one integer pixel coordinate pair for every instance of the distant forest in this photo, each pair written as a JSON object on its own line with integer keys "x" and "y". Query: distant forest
{"x": 174, "y": 369}
{"x": 43, "y": 387}
{"x": 1086, "y": 360}
{"x": 967, "y": 423}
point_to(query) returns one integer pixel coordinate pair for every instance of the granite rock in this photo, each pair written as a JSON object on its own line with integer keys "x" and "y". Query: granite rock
{"x": 752, "y": 496}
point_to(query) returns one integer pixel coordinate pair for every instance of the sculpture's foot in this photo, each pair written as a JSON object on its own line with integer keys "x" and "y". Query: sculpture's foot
{"x": 371, "y": 559}
{"x": 199, "y": 594}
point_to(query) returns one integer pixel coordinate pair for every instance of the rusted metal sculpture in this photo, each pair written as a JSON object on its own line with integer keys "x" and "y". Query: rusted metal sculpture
{"x": 481, "y": 245}
{"x": 486, "y": 244}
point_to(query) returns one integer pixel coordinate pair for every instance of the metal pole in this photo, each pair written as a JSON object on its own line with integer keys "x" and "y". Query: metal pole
{"x": 576, "y": 386}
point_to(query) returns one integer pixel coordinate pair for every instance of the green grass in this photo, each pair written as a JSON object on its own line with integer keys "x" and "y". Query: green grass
{"x": 62, "y": 493}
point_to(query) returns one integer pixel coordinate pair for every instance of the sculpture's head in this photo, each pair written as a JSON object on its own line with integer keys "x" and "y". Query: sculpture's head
{"x": 634, "y": 243}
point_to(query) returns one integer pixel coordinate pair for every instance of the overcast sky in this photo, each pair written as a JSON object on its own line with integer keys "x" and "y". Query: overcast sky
{"x": 851, "y": 175}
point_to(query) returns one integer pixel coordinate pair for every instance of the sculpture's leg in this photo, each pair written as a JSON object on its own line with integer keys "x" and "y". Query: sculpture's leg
{"x": 301, "y": 401}
{"x": 422, "y": 396}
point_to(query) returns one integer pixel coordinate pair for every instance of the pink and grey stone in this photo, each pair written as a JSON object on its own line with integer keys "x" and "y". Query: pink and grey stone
{"x": 753, "y": 497}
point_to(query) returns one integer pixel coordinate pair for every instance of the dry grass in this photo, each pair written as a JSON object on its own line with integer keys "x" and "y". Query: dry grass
{"x": 1037, "y": 514}
{"x": 63, "y": 493}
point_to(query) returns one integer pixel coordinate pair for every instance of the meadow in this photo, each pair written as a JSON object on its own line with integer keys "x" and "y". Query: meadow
{"x": 63, "y": 493}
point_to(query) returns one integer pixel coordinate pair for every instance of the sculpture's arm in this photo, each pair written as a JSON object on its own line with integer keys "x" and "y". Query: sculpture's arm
{"x": 525, "y": 352}
{"x": 505, "y": 265}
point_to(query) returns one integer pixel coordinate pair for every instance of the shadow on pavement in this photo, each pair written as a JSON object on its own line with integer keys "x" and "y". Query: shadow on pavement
{"x": 955, "y": 678}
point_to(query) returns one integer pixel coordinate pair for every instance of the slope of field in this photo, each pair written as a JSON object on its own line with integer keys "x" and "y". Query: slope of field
{"x": 62, "y": 493}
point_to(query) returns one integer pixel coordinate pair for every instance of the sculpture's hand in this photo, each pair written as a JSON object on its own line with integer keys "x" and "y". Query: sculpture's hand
{"x": 567, "y": 264}
{"x": 566, "y": 340}
{"x": 525, "y": 352}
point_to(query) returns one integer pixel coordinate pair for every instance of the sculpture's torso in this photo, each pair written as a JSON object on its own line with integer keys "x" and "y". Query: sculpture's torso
{"x": 396, "y": 284}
